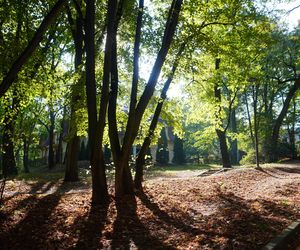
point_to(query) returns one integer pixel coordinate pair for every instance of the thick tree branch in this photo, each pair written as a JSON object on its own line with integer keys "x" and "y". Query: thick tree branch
{"x": 31, "y": 47}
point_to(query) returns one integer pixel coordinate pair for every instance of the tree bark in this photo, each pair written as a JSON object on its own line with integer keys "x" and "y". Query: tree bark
{"x": 234, "y": 144}
{"x": 31, "y": 47}
{"x": 221, "y": 133}
{"x": 136, "y": 115}
{"x": 249, "y": 120}
{"x": 73, "y": 146}
{"x": 95, "y": 130}
{"x": 26, "y": 154}
{"x": 140, "y": 162}
{"x": 8, "y": 156}
{"x": 273, "y": 154}
{"x": 51, "y": 162}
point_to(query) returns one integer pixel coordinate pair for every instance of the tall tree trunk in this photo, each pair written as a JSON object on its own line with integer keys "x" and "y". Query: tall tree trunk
{"x": 292, "y": 131}
{"x": 8, "y": 156}
{"x": 26, "y": 154}
{"x": 234, "y": 143}
{"x": 73, "y": 146}
{"x": 51, "y": 162}
{"x": 255, "y": 121}
{"x": 31, "y": 47}
{"x": 224, "y": 149}
{"x": 59, "y": 150}
{"x": 249, "y": 120}
{"x": 134, "y": 119}
{"x": 123, "y": 177}
{"x": 140, "y": 162}
{"x": 95, "y": 130}
{"x": 221, "y": 133}
{"x": 273, "y": 154}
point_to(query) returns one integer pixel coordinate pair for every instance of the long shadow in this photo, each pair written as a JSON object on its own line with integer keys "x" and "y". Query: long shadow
{"x": 32, "y": 232}
{"x": 91, "y": 229}
{"x": 289, "y": 170}
{"x": 129, "y": 232}
{"x": 246, "y": 224}
{"x": 164, "y": 216}
{"x": 236, "y": 221}
{"x": 35, "y": 189}
{"x": 269, "y": 173}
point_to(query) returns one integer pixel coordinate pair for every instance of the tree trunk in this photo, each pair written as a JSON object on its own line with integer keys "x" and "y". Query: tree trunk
{"x": 26, "y": 154}
{"x": 31, "y": 47}
{"x": 136, "y": 114}
{"x": 8, "y": 156}
{"x": 249, "y": 120}
{"x": 220, "y": 132}
{"x": 59, "y": 149}
{"x": 255, "y": 121}
{"x": 51, "y": 162}
{"x": 273, "y": 154}
{"x": 95, "y": 130}
{"x": 73, "y": 146}
{"x": 224, "y": 149}
{"x": 71, "y": 173}
{"x": 292, "y": 131}
{"x": 140, "y": 162}
{"x": 234, "y": 143}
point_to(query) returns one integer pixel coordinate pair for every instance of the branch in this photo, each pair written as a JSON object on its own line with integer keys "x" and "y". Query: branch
{"x": 31, "y": 47}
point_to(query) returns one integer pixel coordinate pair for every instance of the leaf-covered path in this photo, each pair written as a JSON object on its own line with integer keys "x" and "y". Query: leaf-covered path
{"x": 238, "y": 209}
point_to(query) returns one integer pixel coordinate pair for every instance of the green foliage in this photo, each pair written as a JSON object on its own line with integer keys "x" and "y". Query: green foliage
{"x": 162, "y": 153}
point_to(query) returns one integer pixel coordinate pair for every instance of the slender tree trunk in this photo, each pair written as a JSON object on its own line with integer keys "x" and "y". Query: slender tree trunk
{"x": 26, "y": 154}
{"x": 51, "y": 162}
{"x": 140, "y": 162}
{"x": 292, "y": 133}
{"x": 31, "y": 47}
{"x": 273, "y": 155}
{"x": 59, "y": 150}
{"x": 234, "y": 142}
{"x": 136, "y": 114}
{"x": 255, "y": 121}
{"x": 95, "y": 130}
{"x": 8, "y": 156}
{"x": 221, "y": 133}
{"x": 73, "y": 146}
{"x": 249, "y": 120}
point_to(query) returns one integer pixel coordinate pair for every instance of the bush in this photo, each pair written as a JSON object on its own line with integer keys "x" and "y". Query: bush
{"x": 249, "y": 158}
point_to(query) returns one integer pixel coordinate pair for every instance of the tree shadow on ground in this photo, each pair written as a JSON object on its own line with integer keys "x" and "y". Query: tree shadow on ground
{"x": 236, "y": 225}
{"x": 90, "y": 230}
{"x": 36, "y": 188}
{"x": 164, "y": 216}
{"x": 33, "y": 229}
{"x": 129, "y": 232}
{"x": 292, "y": 170}
{"x": 249, "y": 224}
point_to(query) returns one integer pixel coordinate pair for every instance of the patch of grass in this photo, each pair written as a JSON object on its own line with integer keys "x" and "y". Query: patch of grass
{"x": 187, "y": 167}
{"x": 40, "y": 176}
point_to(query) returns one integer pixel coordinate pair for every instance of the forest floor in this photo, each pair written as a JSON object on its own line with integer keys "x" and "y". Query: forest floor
{"x": 238, "y": 209}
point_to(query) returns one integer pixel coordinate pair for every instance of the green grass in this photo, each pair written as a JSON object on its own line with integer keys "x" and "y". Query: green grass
{"x": 40, "y": 176}
{"x": 43, "y": 174}
{"x": 187, "y": 167}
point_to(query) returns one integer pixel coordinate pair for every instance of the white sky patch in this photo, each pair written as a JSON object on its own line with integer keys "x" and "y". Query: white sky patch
{"x": 291, "y": 18}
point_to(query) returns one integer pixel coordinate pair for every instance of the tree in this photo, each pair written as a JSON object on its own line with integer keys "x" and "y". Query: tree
{"x": 121, "y": 154}
{"x": 31, "y": 47}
